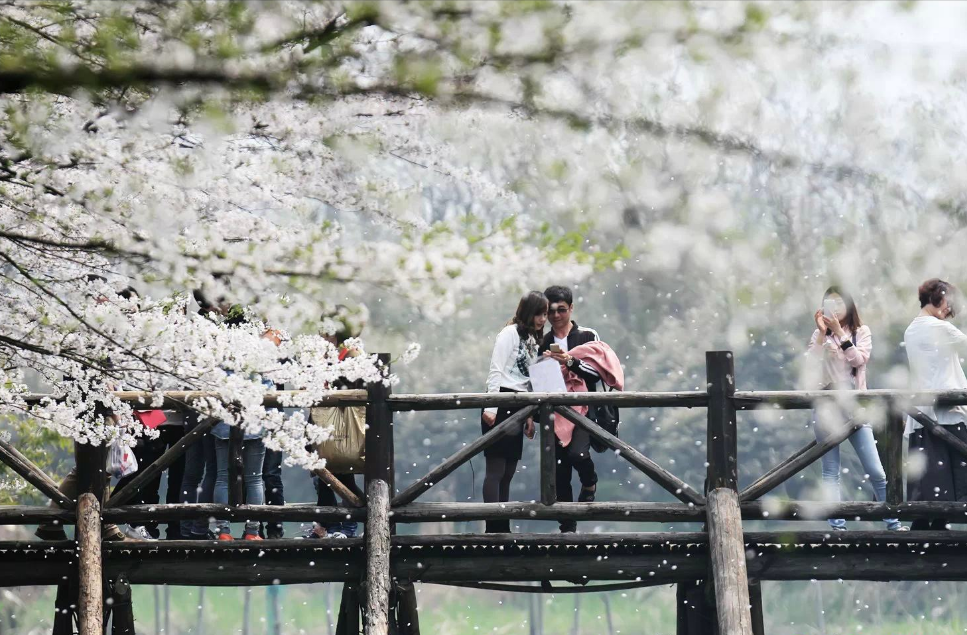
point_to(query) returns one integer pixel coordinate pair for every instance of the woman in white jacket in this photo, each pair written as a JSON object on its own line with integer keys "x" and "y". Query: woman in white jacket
{"x": 515, "y": 350}
{"x": 844, "y": 344}
{"x": 934, "y": 347}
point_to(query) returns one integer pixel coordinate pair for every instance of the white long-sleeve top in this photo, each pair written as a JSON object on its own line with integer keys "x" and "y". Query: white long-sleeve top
{"x": 510, "y": 361}
{"x": 934, "y": 347}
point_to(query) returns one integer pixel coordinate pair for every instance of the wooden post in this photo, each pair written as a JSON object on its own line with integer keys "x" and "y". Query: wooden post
{"x": 91, "y": 461}
{"x": 407, "y": 617}
{"x": 122, "y": 612}
{"x": 90, "y": 602}
{"x": 348, "y": 621}
{"x": 379, "y": 485}
{"x": 548, "y": 455}
{"x": 758, "y": 617}
{"x": 726, "y": 547}
{"x": 891, "y": 454}
{"x": 236, "y": 466}
{"x": 377, "y": 558}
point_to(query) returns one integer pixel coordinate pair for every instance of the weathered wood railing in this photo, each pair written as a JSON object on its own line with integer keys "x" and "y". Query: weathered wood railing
{"x": 391, "y": 563}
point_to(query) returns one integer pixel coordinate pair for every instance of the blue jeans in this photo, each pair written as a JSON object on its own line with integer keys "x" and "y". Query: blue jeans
{"x": 198, "y": 482}
{"x": 253, "y": 455}
{"x": 274, "y": 495}
{"x": 865, "y": 446}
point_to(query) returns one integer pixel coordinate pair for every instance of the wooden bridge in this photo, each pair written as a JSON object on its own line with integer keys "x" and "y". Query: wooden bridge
{"x": 717, "y": 570}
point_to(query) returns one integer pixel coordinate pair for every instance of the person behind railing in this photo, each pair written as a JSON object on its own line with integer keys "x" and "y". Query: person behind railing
{"x": 843, "y": 344}
{"x": 515, "y": 350}
{"x": 576, "y": 454}
{"x": 253, "y": 458}
{"x": 198, "y": 480}
{"x": 934, "y": 347}
{"x": 350, "y": 446}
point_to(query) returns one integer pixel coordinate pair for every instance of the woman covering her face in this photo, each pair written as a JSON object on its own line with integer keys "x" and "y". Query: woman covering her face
{"x": 844, "y": 345}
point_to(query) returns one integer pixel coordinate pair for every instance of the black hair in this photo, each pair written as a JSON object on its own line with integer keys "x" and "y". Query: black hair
{"x": 853, "y": 321}
{"x": 532, "y": 304}
{"x": 934, "y": 290}
{"x": 557, "y": 293}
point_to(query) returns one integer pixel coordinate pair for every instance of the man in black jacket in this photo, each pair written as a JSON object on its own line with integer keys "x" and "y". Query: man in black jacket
{"x": 577, "y": 455}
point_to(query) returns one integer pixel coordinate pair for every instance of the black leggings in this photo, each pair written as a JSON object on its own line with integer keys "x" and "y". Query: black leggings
{"x": 496, "y": 488}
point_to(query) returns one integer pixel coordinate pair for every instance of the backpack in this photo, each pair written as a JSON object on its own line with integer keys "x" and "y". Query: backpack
{"x": 608, "y": 418}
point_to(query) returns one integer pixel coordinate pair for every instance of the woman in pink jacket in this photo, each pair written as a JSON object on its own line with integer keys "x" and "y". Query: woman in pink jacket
{"x": 843, "y": 344}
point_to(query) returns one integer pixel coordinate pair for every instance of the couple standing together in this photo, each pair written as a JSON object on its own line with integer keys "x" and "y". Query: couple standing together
{"x": 585, "y": 363}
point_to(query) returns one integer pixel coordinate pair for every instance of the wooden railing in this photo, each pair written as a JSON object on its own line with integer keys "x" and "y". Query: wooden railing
{"x": 718, "y": 502}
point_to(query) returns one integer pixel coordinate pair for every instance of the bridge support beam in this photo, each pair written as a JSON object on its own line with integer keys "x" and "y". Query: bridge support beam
{"x": 90, "y": 600}
{"x": 726, "y": 545}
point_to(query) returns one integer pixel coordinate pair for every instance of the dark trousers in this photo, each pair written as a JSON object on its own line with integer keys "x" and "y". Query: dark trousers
{"x": 147, "y": 452}
{"x": 325, "y": 497}
{"x": 272, "y": 477}
{"x": 576, "y": 456}
{"x": 198, "y": 481}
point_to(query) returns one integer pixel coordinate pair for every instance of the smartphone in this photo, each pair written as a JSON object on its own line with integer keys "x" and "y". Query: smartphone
{"x": 555, "y": 348}
{"x": 829, "y": 308}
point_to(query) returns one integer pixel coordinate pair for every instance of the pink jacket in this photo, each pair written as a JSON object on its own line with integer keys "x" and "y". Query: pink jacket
{"x": 605, "y": 361}
{"x": 838, "y": 363}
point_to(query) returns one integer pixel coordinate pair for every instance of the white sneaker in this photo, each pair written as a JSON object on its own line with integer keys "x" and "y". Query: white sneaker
{"x": 136, "y": 533}
{"x": 314, "y": 531}
{"x": 337, "y": 534}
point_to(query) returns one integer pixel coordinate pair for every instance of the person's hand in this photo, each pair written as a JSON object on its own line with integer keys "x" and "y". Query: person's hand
{"x": 830, "y": 346}
{"x": 820, "y": 321}
{"x": 489, "y": 418}
{"x": 834, "y": 325}
{"x": 529, "y": 428}
{"x": 561, "y": 357}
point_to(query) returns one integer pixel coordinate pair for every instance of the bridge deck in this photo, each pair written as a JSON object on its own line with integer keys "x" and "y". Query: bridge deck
{"x": 661, "y": 558}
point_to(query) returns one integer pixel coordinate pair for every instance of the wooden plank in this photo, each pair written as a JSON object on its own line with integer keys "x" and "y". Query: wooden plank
{"x": 548, "y": 455}
{"x": 338, "y": 487}
{"x": 671, "y": 483}
{"x": 377, "y": 558}
{"x": 796, "y": 463}
{"x": 173, "y": 399}
{"x": 727, "y": 553}
{"x": 806, "y": 399}
{"x": 35, "y": 515}
{"x": 460, "y": 457}
{"x": 547, "y": 589}
{"x": 90, "y": 603}
{"x": 513, "y": 401}
{"x": 147, "y": 473}
{"x": 379, "y": 433}
{"x": 29, "y": 472}
{"x": 608, "y": 510}
{"x": 297, "y": 512}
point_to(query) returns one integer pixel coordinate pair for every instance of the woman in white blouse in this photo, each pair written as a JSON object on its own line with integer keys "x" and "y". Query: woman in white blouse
{"x": 515, "y": 350}
{"x": 934, "y": 347}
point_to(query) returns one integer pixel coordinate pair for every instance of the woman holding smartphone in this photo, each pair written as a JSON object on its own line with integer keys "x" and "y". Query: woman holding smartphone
{"x": 515, "y": 350}
{"x": 844, "y": 344}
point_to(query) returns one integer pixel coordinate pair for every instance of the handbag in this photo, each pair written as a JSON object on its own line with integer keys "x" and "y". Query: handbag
{"x": 345, "y": 449}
